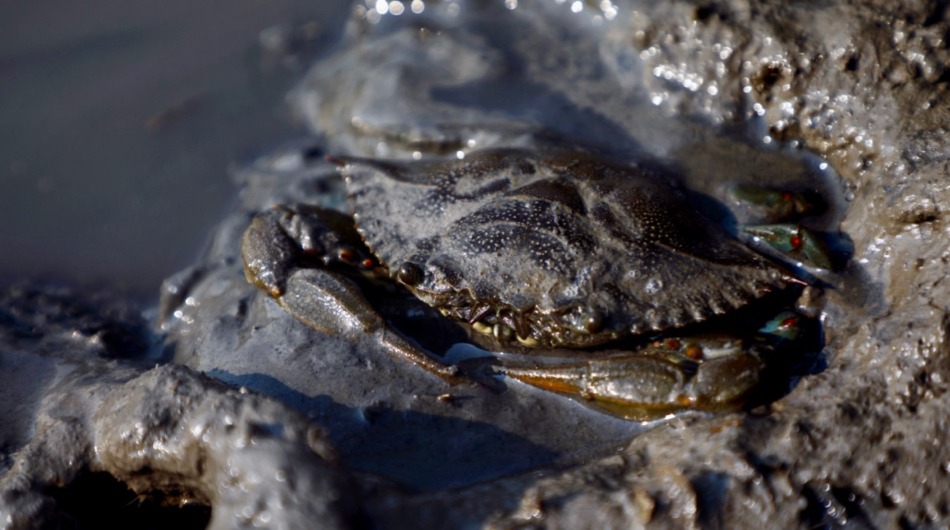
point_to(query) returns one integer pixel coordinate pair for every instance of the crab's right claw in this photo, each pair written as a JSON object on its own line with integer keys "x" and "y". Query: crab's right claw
{"x": 286, "y": 237}
{"x": 288, "y": 252}
{"x": 651, "y": 384}
{"x": 268, "y": 252}
{"x": 335, "y": 306}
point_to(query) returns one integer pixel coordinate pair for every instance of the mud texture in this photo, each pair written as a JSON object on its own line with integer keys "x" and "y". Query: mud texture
{"x": 178, "y": 439}
{"x": 864, "y": 85}
{"x": 720, "y": 91}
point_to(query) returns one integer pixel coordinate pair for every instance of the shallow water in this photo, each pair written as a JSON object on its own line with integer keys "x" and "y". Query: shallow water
{"x": 119, "y": 123}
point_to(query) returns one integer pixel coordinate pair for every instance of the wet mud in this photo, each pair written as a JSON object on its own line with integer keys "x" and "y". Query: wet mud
{"x": 845, "y": 100}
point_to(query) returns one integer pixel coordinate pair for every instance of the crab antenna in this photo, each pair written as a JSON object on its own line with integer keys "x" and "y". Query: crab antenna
{"x": 338, "y": 160}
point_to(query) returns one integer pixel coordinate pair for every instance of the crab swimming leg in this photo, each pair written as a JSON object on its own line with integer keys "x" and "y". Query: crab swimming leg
{"x": 277, "y": 247}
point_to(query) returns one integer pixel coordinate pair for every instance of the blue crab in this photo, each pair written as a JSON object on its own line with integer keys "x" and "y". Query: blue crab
{"x": 551, "y": 252}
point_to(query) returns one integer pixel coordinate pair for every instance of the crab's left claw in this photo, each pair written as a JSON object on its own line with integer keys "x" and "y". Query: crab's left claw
{"x": 796, "y": 241}
{"x": 651, "y": 384}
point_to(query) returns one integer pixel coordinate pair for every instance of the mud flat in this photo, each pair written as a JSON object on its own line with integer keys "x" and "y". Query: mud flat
{"x": 851, "y": 93}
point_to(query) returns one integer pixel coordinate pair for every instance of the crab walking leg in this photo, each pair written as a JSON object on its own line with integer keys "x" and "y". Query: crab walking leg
{"x": 648, "y": 385}
{"x": 790, "y": 238}
{"x": 332, "y": 304}
{"x": 779, "y": 204}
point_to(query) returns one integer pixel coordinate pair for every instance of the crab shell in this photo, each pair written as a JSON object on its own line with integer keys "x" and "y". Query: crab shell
{"x": 555, "y": 247}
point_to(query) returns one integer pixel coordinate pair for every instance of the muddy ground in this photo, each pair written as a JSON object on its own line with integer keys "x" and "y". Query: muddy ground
{"x": 350, "y": 437}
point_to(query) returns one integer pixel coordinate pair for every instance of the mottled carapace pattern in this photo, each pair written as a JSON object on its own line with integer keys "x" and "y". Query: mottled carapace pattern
{"x": 561, "y": 248}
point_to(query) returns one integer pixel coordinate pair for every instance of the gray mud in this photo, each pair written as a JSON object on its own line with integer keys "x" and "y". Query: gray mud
{"x": 848, "y": 99}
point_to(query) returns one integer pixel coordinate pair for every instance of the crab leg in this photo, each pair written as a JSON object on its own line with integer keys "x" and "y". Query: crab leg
{"x": 789, "y": 238}
{"x": 651, "y": 384}
{"x": 779, "y": 205}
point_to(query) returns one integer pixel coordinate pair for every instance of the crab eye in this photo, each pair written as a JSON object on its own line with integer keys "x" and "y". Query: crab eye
{"x": 410, "y": 274}
{"x": 594, "y": 321}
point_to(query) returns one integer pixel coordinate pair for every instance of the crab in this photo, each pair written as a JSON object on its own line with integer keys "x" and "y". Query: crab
{"x": 601, "y": 274}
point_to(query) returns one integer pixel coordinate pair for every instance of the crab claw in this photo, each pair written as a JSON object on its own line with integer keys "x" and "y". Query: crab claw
{"x": 795, "y": 241}
{"x": 289, "y": 252}
{"x": 279, "y": 239}
{"x": 651, "y": 384}
{"x": 335, "y": 306}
